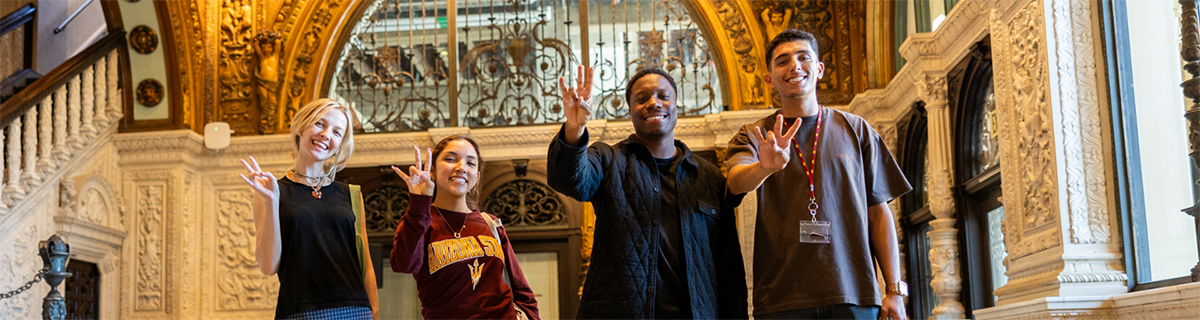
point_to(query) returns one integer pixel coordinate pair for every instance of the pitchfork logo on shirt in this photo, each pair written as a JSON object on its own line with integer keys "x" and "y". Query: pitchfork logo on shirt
{"x": 476, "y": 271}
{"x": 450, "y": 251}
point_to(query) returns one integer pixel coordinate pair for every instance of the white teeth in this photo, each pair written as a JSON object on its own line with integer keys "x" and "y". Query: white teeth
{"x": 655, "y": 117}
{"x": 458, "y": 180}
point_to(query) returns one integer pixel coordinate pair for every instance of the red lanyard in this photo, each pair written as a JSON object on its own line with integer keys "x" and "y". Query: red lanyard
{"x": 810, "y": 170}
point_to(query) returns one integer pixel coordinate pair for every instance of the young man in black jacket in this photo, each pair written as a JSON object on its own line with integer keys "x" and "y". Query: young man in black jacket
{"x": 666, "y": 241}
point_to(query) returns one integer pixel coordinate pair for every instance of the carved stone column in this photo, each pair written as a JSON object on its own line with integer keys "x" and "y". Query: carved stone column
{"x": 1057, "y": 219}
{"x": 943, "y": 254}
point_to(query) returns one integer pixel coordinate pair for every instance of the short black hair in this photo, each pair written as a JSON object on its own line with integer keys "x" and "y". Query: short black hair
{"x": 790, "y": 35}
{"x": 643, "y": 73}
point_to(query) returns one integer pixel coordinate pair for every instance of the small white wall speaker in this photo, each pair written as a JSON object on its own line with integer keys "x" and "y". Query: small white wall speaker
{"x": 216, "y": 135}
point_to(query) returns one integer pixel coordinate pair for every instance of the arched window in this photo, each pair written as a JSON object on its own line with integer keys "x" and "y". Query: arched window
{"x": 916, "y": 216}
{"x": 977, "y": 176}
{"x": 416, "y": 64}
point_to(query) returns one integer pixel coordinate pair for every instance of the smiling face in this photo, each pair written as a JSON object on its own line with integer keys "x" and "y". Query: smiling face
{"x": 652, "y": 107}
{"x": 456, "y": 168}
{"x": 795, "y": 70}
{"x": 323, "y": 139}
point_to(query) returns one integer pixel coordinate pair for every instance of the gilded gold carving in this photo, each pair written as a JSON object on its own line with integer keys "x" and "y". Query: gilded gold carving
{"x": 837, "y": 33}
{"x": 236, "y": 97}
{"x": 309, "y": 43}
{"x": 269, "y": 46}
{"x": 776, "y": 20}
{"x": 738, "y": 33}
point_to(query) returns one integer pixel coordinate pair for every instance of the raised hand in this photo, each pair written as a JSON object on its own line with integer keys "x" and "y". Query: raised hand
{"x": 577, "y": 101}
{"x": 418, "y": 179}
{"x": 261, "y": 181}
{"x": 773, "y": 152}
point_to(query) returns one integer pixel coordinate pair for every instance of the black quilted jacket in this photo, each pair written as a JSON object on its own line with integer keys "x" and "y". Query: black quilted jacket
{"x": 622, "y": 184}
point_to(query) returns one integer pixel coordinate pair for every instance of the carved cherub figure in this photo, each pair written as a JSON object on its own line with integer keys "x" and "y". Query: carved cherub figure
{"x": 776, "y": 19}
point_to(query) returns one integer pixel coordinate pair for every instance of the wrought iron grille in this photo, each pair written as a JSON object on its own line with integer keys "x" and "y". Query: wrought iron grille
{"x": 400, "y": 71}
{"x": 524, "y": 202}
{"x": 383, "y": 207}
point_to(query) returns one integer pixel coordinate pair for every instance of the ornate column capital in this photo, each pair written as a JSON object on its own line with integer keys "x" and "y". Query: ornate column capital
{"x": 933, "y": 90}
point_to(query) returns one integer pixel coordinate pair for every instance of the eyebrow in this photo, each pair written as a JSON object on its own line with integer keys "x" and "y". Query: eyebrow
{"x": 781, "y": 55}
{"x": 456, "y": 154}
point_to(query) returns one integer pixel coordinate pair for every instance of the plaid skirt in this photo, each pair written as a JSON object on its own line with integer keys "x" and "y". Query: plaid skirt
{"x": 340, "y": 313}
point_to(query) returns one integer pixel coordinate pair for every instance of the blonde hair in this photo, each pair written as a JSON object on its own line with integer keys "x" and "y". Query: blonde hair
{"x": 312, "y": 112}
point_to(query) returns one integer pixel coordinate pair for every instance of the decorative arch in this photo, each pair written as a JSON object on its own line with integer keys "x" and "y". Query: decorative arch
{"x": 728, "y": 27}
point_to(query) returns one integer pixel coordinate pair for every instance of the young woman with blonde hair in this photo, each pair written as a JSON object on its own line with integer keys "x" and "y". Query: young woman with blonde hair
{"x": 461, "y": 258}
{"x": 309, "y": 227}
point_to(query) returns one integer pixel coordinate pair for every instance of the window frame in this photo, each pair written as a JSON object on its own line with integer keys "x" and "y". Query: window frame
{"x": 975, "y": 194}
{"x": 915, "y": 213}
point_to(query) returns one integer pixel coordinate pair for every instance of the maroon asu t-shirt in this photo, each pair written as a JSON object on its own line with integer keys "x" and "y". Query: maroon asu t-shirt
{"x": 458, "y": 277}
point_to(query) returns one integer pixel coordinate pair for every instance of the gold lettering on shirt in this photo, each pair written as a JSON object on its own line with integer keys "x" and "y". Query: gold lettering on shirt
{"x": 446, "y": 252}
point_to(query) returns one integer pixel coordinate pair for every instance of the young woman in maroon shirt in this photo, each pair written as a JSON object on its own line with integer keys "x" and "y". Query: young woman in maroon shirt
{"x": 461, "y": 262}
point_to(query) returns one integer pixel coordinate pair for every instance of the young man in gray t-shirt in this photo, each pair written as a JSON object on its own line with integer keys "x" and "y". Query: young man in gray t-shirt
{"x": 824, "y": 178}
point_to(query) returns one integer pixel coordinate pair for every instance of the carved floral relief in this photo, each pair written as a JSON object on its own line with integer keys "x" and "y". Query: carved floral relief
{"x": 241, "y": 284}
{"x": 150, "y": 246}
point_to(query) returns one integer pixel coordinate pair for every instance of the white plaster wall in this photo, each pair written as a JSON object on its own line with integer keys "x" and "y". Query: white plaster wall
{"x": 1162, "y": 136}
{"x": 143, "y": 66}
{"x": 53, "y": 49}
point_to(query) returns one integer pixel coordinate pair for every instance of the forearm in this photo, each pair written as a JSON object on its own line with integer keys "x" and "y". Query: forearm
{"x": 268, "y": 237}
{"x": 408, "y": 250}
{"x": 884, "y": 242}
{"x": 747, "y": 177}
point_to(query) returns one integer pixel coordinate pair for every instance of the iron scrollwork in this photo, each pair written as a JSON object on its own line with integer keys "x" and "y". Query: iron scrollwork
{"x": 511, "y": 78}
{"x": 383, "y": 208}
{"x": 526, "y": 203}
{"x": 402, "y": 73}
{"x": 677, "y": 48}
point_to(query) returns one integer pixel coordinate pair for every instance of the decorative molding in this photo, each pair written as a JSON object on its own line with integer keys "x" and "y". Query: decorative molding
{"x": 241, "y": 284}
{"x": 235, "y": 67}
{"x": 150, "y": 247}
{"x": 933, "y": 91}
{"x": 1083, "y": 141}
{"x": 733, "y": 24}
{"x": 1028, "y": 168}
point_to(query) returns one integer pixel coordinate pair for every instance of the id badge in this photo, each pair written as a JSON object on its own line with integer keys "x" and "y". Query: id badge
{"x": 814, "y": 232}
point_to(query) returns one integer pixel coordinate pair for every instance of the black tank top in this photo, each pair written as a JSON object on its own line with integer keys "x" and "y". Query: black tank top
{"x": 319, "y": 266}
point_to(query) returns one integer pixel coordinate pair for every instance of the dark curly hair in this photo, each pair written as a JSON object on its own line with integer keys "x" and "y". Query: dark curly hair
{"x": 790, "y": 35}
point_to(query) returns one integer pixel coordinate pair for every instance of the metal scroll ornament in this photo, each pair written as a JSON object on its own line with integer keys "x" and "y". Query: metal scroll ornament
{"x": 383, "y": 207}
{"x": 149, "y": 92}
{"x": 525, "y": 202}
{"x": 143, "y": 39}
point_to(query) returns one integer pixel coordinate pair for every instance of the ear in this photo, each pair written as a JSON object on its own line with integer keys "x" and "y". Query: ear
{"x": 820, "y": 70}
{"x": 767, "y": 79}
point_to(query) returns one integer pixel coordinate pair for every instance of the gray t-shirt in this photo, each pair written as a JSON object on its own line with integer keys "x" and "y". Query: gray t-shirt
{"x": 854, "y": 171}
